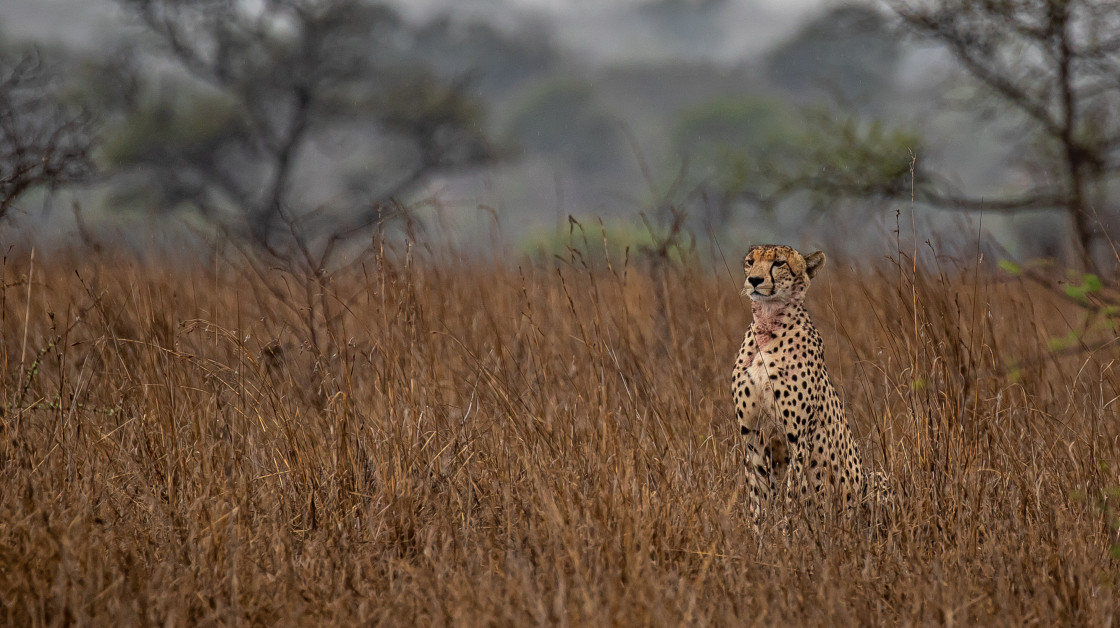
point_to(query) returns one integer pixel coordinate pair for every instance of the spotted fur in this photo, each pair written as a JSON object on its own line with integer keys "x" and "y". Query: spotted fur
{"x": 789, "y": 413}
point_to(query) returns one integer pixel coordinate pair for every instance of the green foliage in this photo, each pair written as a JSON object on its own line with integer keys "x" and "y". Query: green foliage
{"x": 423, "y": 107}
{"x": 733, "y": 129}
{"x": 760, "y": 151}
{"x": 188, "y": 125}
{"x": 1100, "y": 318}
{"x": 1015, "y": 375}
{"x": 226, "y": 128}
{"x": 1060, "y": 343}
{"x": 730, "y": 146}
{"x": 856, "y": 157}
{"x": 1010, "y": 266}
{"x": 596, "y": 241}
{"x": 1088, "y": 283}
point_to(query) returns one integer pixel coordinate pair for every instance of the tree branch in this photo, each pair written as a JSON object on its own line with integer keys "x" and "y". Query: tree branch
{"x": 942, "y": 27}
{"x": 1038, "y": 200}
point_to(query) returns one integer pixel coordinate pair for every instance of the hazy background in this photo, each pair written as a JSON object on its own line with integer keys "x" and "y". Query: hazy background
{"x": 490, "y": 122}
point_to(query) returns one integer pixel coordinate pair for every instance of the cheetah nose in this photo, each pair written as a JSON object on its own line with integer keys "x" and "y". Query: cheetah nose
{"x": 755, "y": 281}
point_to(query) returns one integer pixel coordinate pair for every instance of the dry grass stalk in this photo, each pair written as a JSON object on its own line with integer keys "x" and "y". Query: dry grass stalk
{"x": 408, "y": 442}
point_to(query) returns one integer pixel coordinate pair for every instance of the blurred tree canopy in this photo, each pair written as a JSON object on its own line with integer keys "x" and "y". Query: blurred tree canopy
{"x": 251, "y": 88}
{"x": 282, "y": 122}
{"x": 44, "y": 139}
{"x": 759, "y": 153}
{"x": 1051, "y": 67}
{"x": 562, "y": 118}
{"x": 850, "y": 51}
{"x": 1054, "y": 67}
{"x": 770, "y": 154}
{"x": 494, "y": 60}
{"x": 724, "y": 142}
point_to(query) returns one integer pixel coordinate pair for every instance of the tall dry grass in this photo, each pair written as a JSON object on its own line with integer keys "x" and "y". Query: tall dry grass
{"x": 410, "y": 442}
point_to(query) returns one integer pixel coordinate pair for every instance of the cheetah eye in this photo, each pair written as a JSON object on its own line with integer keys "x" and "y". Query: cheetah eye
{"x": 779, "y": 262}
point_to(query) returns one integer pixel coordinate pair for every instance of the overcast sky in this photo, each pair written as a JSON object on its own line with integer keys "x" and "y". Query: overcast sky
{"x": 585, "y": 25}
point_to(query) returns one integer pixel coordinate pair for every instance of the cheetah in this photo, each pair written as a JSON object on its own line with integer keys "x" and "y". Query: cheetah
{"x": 790, "y": 416}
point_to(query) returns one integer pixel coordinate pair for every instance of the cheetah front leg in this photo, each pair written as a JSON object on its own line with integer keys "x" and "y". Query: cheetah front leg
{"x": 759, "y": 467}
{"x": 751, "y": 412}
{"x": 796, "y": 417}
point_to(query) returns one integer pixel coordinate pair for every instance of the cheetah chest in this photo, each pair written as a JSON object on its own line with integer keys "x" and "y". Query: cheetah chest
{"x": 764, "y": 372}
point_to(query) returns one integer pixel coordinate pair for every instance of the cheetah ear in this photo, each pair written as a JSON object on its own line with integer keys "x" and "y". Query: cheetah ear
{"x": 814, "y": 262}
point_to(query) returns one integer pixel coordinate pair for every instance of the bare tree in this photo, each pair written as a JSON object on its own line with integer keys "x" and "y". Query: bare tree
{"x": 277, "y": 75}
{"x": 1049, "y": 67}
{"x": 43, "y": 142}
{"x": 1055, "y": 63}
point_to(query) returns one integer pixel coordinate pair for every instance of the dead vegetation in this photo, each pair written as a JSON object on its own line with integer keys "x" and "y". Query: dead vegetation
{"x": 417, "y": 442}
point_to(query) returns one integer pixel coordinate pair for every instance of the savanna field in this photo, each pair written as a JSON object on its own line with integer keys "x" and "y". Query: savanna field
{"x": 414, "y": 441}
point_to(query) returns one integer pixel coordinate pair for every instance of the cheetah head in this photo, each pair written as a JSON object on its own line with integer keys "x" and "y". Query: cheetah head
{"x": 779, "y": 273}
